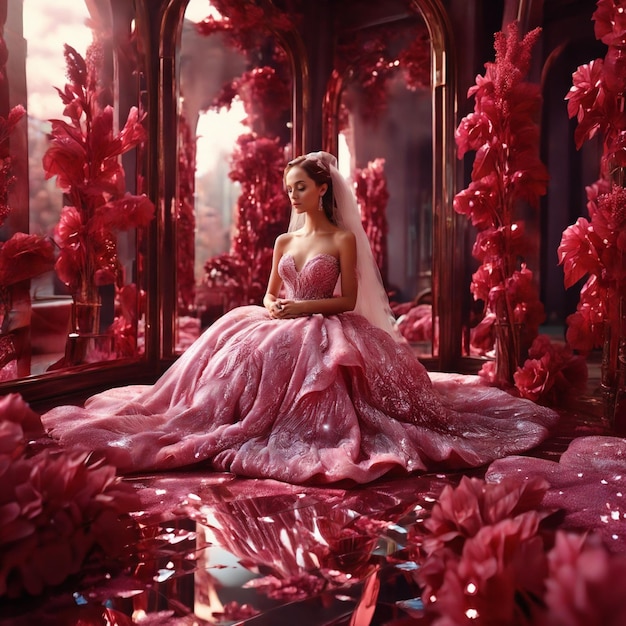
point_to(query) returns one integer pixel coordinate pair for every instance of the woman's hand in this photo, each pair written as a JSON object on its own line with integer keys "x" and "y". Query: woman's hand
{"x": 286, "y": 309}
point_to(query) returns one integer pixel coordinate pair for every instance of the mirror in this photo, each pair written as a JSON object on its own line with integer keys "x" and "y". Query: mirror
{"x": 234, "y": 134}
{"x": 76, "y": 211}
{"x": 383, "y": 102}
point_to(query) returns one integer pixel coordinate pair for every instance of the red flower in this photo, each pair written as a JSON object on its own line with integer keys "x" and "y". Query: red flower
{"x": 124, "y": 213}
{"x": 577, "y": 252}
{"x": 479, "y": 201}
{"x": 494, "y": 243}
{"x": 463, "y": 510}
{"x": 56, "y": 511}
{"x": 84, "y": 157}
{"x": 474, "y": 130}
{"x": 586, "y": 99}
{"x": 23, "y": 257}
{"x": 484, "y": 279}
{"x": 485, "y": 558}
{"x": 581, "y": 589}
{"x": 610, "y": 22}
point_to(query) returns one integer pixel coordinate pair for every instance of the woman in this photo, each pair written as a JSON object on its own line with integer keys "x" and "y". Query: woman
{"x": 314, "y": 387}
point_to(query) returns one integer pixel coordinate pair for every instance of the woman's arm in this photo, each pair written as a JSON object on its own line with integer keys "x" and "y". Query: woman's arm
{"x": 346, "y": 245}
{"x": 275, "y": 281}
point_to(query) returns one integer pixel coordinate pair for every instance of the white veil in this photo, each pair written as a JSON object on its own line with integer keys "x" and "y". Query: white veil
{"x": 372, "y": 301}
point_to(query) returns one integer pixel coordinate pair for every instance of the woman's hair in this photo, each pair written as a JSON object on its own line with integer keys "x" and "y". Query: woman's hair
{"x": 319, "y": 172}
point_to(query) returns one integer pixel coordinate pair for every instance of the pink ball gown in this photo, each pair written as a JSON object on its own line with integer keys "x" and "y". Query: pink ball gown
{"x": 315, "y": 399}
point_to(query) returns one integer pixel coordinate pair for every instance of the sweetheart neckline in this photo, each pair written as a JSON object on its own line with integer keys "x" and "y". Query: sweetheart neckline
{"x": 319, "y": 254}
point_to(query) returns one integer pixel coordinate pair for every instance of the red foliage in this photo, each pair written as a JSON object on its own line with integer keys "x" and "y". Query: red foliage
{"x": 596, "y": 247}
{"x": 56, "y": 511}
{"x": 507, "y": 171}
{"x": 84, "y": 156}
{"x": 372, "y": 197}
{"x": 262, "y": 214}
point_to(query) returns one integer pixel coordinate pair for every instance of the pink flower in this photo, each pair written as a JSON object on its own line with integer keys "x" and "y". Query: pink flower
{"x": 497, "y": 580}
{"x": 55, "y": 512}
{"x": 462, "y": 511}
{"x": 485, "y": 560}
{"x": 14, "y": 409}
{"x": 581, "y": 588}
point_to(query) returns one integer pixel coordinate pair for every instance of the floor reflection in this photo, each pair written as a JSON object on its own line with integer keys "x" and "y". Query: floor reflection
{"x": 214, "y": 549}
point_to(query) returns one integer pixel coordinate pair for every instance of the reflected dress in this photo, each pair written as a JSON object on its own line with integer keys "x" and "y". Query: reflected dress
{"x": 315, "y": 399}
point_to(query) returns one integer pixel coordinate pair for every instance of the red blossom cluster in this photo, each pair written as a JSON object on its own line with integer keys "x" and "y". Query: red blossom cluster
{"x": 22, "y": 256}
{"x": 372, "y": 196}
{"x": 372, "y": 59}
{"x": 58, "y": 512}
{"x": 507, "y": 171}
{"x": 550, "y": 372}
{"x": 596, "y": 97}
{"x": 185, "y": 217}
{"x": 490, "y": 557}
{"x": 84, "y": 156}
{"x": 257, "y": 164}
{"x": 414, "y": 321}
{"x": 247, "y": 25}
{"x": 596, "y": 248}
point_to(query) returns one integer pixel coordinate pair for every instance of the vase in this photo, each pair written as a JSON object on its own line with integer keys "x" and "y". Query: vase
{"x": 507, "y": 341}
{"x": 85, "y": 342}
{"x": 613, "y": 369}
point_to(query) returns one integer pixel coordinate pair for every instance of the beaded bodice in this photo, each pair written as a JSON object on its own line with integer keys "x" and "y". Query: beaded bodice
{"x": 315, "y": 280}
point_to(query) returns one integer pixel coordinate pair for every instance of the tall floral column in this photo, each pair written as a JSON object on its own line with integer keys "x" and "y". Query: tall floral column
{"x": 507, "y": 171}
{"x": 84, "y": 157}
{"x": 22, "y": 257}
{"x": 596, "y": 247}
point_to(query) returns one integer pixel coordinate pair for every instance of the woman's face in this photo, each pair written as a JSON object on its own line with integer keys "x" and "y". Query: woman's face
{"x": 303, "y": 191}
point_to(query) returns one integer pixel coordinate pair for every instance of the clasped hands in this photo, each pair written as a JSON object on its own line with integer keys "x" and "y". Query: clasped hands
{"x": 283, "y": 309}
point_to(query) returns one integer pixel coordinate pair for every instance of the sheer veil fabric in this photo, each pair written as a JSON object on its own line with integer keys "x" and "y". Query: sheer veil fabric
{"x": 372, "y": 301}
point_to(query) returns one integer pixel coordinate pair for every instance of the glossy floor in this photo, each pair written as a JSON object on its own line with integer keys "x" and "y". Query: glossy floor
{"x": 215, "y": 549}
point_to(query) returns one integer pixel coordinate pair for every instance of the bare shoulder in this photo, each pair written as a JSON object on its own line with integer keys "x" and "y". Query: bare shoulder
{"x": 282, "y": 241}
{"x": 344, "y": 239}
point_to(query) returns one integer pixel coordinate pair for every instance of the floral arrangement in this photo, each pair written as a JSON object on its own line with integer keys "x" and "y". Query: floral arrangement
{"x": 257, "y": 164}
{"x": 550, "y": 372}
{"x": 247, "y": 25}
{"x": 507, "y": 172}
{"x": 185, "y": 217}
{"x": 370, "y": 57}
{"x": 370, "y": 184}
{"x": 59, "y": 513}
{"x": 84, "y": 156}
{"x": 488, "y": 555}
{"x": 596, "y": 247}
{"x": 258, "y": 160}
{"x": 22, "y": 256}
{"x": 265, "y": 90}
